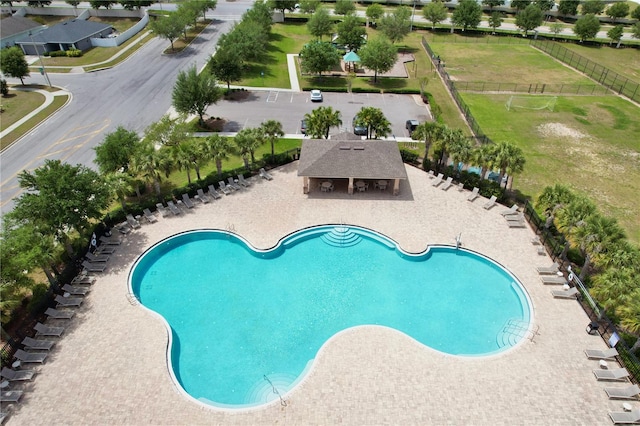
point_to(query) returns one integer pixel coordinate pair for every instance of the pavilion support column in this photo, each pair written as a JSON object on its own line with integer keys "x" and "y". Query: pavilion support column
{"x": 305, "y": 184}
{"x": 396, "y": 186}
{"x": 350, "y": 187}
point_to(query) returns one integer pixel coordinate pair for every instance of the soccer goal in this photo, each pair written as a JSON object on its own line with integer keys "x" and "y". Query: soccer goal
{"x": 536, "y": 103}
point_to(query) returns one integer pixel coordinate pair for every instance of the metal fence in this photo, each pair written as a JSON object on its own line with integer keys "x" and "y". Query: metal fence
{"x": 533, "y": 88}
{"x": 480, "y": 39}
{"x": 606, "y": 77}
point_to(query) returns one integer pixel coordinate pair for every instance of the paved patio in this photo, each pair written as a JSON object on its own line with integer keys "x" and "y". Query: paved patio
{"x": 110, "y": 365}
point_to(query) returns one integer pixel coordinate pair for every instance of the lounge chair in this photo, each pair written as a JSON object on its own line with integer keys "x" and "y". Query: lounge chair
{"x": 133, "y": 222}
{"x": 110, "y": 241}
{"x": 516, "y": 224}
{"x": 36, "y": 344}
{"x": 513, "y": 210}
{"x": 461, "y": 187}
{"x": 83, "y": 279}
{"x": 628, "y": 392}
{"x": 572, "y": 293}
{"x": 490, "y": 203}
{"x": 30, "y": 356}
{"x": 149, "y": 216}
{"x": 59, "y": 314}
{"x": 474, "y": 194}
{"x": 187, "y": 201}
{"x": 610, "y": 353}
{"x": 68, "y": 301}
{"x": 94, "y": 267}
{"x": 104, "y": 249}
{"x": 82, "y": 291}
{"x": 553, "y": 279}
{"x": 613, "y": 374}
{"x": 92, "y": 258}
{"x": 233, "y": 184}
{"x": 264, "y": 175}
{"x": 553, "y": 269}
{"x": 447, "y": 183}
{"x": 224, "y": 188}
{"x": 202, "y": 196}
{"x": 438, "y": 180}
{"x": 43, "y": 330}
{"x": 163, "y": 210}
{"x": 174, "y": 209}
{"x": 123, "y": 228}
{"x": 11, "y": 396}
{"x": 431, "y": 174}
{"x": 625, "y": 417}
{"x": 243, "y": 181}
{"x": 213, "y": 192}
{"x": 15, "y": 376}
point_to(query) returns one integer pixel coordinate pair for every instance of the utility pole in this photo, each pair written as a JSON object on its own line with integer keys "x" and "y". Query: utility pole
{"x": 43, "y": 70}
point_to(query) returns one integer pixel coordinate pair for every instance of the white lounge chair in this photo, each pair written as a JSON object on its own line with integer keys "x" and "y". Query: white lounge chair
{"x": 30, "y": 356}
{"x": 59, "y": 314}
{"x": 553, "y": 269}
{"x": 96, "y": 258}
{"x": 610, "y": 353}
{"x": 613, "y": 374}
{"x": 68, "y": 301}
{"x": 224, "y": 188}
{"x": 625, "y": 417}
{"x": 213, "y": 192}
{"x": 15, "y": 376}
{"x": 94, "y": 267}
{"x": 431, "y": 174}
{"x": 628, "y": 392}
{"x": 233, "y": 184}
{"x": 202, "y": 196}
{"x": 174, "y": 209}
{"x": 516, "y": 224}
{"x": 110, "y": 241}
{"x": 553, "y": 279}
{"x": 149, "y": 216}
{"x": 43, "y": 330}
{"x": 474, "y": 194}
{"x": 438, "y": 180}
{"x": 36, "y": 344}
{"x": 163, "y": 210}
{"x": 572, "y": 293}
{"x": 78, "y": 291}
{"x": 447, "y": 183}
{"x": 187, "y": 201}
{"x": 461, "y": 187}
{"x": 490, "y": 203}
{"x": 133, "y": 222}
{"x": 510, "y": 211}
{"x": 243, "y": 181}
{"x": 10, "y": 396}
{"x": 264, "y": 175}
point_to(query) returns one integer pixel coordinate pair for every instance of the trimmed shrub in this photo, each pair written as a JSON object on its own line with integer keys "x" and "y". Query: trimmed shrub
{"x": 74, "y": 53}
{"x": 39, "y": 298}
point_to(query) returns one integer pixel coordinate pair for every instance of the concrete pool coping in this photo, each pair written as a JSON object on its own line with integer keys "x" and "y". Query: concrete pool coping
{"x": 110, "y": 366}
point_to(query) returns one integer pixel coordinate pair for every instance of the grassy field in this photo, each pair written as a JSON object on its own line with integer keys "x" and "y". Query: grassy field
{"x": 625, "y": 61}
{"x": 589, "y": 143}
{"x": 17, "y": 105}
{"x": 27, "y": 126}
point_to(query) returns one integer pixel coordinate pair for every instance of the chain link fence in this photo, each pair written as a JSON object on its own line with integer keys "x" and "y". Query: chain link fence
{"x": 533, "y": 88}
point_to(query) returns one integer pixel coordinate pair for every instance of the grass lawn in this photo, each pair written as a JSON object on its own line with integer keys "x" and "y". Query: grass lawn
{"x": 624, "y": 61}
{"x": 589, "y": 143}
{"x": 18, "y": 104}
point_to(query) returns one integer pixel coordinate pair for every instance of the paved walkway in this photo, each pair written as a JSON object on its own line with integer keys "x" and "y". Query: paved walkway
{"x": 49, "y": 98}
{"x": 110, "y": 365}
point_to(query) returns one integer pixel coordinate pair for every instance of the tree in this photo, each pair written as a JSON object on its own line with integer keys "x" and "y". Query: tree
{"x": 190, "y": 12}
{"x": 618, "y": 10}
{"x": 344, "y": 7}
{"x": 396, "y": 25}
{"x": 636, "y": 30}
{"x": 134, "y": 4}
{"x": 567, "y": 216}
{"x": 247, "y": 141}
{"x": 351, "y": 33}
{"x": 282, "y": 5}
{"x": 226, "y": 65}
{"x": 614, "y": 287}
{"x": 272, "y": 130}
{"x": 166, "y": 131}
{"x": 318, "y": 56}
{"x": 460, "y": 149}
{"x": 587, "y": 27}
{"x": 120, "y": 185}
{"x": 556, "y": 28}
{"x": 591, "y": 235}
{"x": 261, "y": 14}
{"x": 615, "y": 34}
{"x": 509, "y": 159}
{"x": 636, "y": 13}
{"x": 520, "y": 4}
{"x": 529, "y": 19}
{"x": 4, "y": 88}
{"x": 436, "y": 12}
{"x": 13, "y": 63}
{"x": 183, "y": 156}
{"x": 493, "y": 3}
{"x": 553, "y": 197}
{"x": 568, "y": 7}
{"x": 320, "y": 23}
{"x": 495, "y": 20}
{"x": 375, "y": 121}
{"x": 97, "y": 4}
{"x": 38, "y": 3}
{"x": 467, "y": 15}
{"x": 309, "y": 6}
{"x": 249, "y": 39}
{"x": 168, "y": 27}
{"x": 193, "y": 92}
{"x": 378, "y": 55}
{"x": 594, "y": 7}
{"x": 61, "y": 199}
{"x": 427, "y": 131}
{"x": 545, "y": 5}
{"x": 116, "y": 151}
{"x": 374, "y": 12}
{"x": 218, "y": 148}
{"x": 148, "y": 162}
{"x": 320, "y": 120}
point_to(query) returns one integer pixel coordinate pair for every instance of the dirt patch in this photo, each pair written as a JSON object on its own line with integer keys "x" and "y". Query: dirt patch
{"x": 236, "y": 95}
{"x": 214, "y": 124}
{"x": 559, "y": 130}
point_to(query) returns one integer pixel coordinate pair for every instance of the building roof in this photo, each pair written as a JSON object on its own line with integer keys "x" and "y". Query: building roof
{"x": 355, "y": 158}
{"x": 67, "y": 32}
{"x": 15, "y": 25}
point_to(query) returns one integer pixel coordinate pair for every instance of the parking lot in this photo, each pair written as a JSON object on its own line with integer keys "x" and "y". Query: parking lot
{"x": 289, "y": 109}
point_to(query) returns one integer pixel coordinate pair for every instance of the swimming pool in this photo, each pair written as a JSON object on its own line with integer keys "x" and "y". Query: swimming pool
{"x": 244, "y": 322}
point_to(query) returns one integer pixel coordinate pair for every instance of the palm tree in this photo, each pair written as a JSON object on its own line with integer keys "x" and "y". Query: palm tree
{"x": 481, "y": 157}
{"x": 120, "y": 184}
{"x": 182, "y": 157}
{"x": 620, "y": 254}
{"x": 218, "y": 148}
{"x": 509, "y": 159}
{"x": 375, "y": 121}
{"x": 554, "y": 196}
{"x": 591, "y": 235}
{"x": 446, "y": 137}
{"x": 320, "y": 120}
{"x": 199, "y": 154}
{"x": 460, "y": 149}
{"x": 613, "y": 287}
{"x": 630, "y": 316}
{"x": 150, "y": 163}
{"x": 272, "y": 130}
{"x": 427, "y": 131}
{"x": 247, "y": 141}
{"x": 567, "y": 216}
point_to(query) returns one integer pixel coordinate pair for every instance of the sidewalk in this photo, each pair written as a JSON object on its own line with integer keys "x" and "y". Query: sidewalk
{"x": 49, "y": 97}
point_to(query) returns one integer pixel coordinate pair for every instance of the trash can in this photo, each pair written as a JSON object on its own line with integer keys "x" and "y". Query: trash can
{"x": 592, "y": 327}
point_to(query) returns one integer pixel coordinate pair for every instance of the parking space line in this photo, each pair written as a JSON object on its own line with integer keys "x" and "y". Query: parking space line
{"x": 273, "y": 96}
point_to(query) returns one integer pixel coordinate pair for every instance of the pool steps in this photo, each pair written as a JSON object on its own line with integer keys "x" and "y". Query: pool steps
{"x": 341, "y": 236}
{"x": 263, "y": 390}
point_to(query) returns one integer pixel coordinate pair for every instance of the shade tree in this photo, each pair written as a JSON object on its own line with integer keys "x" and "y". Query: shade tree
{"x": 568, "y": 7}
{"x": 194, "y": 92}
{"x": 344, "y": 7}
{"x": 495, "y": 20}
{"x": 378, "y": 55}
{"x": 351, "y": 33}
{"x": 436, "y": 12}
{"x": 468, "y": 14}
{"x": 587, "y": 27}
{"x": 378, "y": 126}
{"x": 116, "y": 150}
{"x": 227, "y": 65}
{"x": 374, "y": 12}
{"x": 395, "y": 26}
{"x": 320, "y": 24}
{"x": 317, "y": 57}
{"x": 594, "y": 7}
{"x": 309, "y": 6}
{"x": 618, "y": 10}
{"x": 493, "y": 3}
{"x": 13, "y": 64}
{"x": 529, "y": 19}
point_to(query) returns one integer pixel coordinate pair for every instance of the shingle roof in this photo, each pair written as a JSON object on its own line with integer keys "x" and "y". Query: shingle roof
{"x": 15, "y": 25}
{"x": 68, "y": 32}
{"x": 335, "y": 158}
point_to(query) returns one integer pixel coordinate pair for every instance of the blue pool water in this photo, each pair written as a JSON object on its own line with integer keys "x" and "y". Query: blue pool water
{"x": 244, "y": 321}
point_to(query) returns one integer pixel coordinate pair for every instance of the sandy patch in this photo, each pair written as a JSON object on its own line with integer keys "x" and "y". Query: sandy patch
{"x": 549, "y": 130}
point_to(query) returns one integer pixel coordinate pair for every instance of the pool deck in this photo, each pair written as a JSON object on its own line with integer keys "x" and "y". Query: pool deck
{"x": 110, "y": 365}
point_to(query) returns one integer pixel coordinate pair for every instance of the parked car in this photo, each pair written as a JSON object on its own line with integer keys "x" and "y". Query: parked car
{"x": 359, "y": 129}
{"x": 303, "y": 127}
{"x": 316, "y": 95}
{"x": 411, "y": 126}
